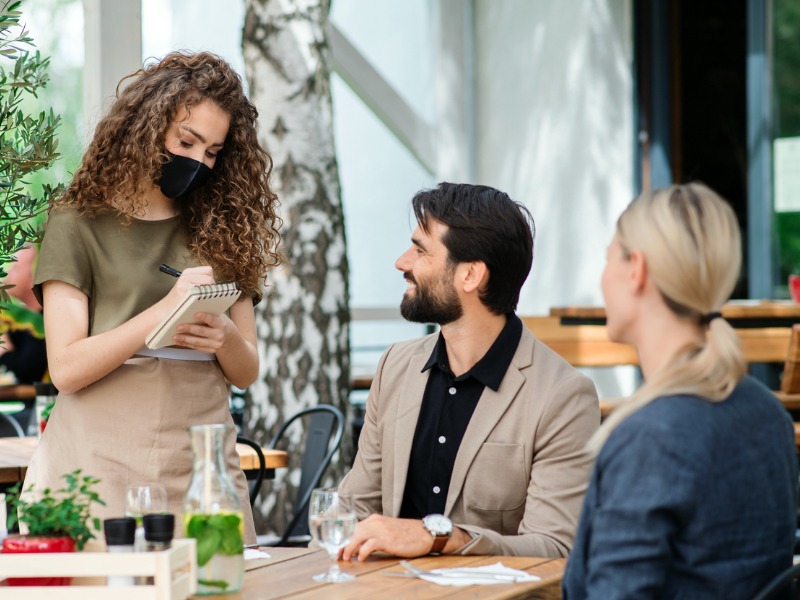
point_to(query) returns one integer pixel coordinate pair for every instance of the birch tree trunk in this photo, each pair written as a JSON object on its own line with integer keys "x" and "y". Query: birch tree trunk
{"x": 303, "y": 321}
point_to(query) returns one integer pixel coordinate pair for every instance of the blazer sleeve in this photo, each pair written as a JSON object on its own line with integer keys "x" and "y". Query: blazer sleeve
{"x": 558, "y": 479}
{"x": 364, "y": 481}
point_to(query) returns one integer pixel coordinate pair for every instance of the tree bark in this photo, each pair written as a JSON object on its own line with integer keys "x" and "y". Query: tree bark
{"x": 304, "y": 318}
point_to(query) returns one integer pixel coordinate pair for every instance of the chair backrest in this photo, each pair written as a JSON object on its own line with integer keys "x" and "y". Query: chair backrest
{"x": 790, "y": 381}
{"x": 323, "y": 430}
{"x": 783, "y": 586}
{"x": 10, "y": 427}
{"x": 254, "y": 482}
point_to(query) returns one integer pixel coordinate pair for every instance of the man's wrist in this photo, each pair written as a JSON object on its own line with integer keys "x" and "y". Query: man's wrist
{"x": 440, "y": 528}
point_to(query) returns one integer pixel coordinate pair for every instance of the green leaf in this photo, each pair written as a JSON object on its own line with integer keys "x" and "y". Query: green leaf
{"x": 232, "y": 543}
{"x": 196, "y": 525}
{"x": 207, "y": 544}
{"x": 218, "y": 583}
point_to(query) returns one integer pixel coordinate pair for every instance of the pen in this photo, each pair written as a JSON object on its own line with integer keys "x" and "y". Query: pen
{"x": 169, "y": 270}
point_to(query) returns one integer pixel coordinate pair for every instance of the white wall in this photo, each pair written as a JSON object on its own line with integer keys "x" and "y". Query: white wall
{"x": 554, "y": 130}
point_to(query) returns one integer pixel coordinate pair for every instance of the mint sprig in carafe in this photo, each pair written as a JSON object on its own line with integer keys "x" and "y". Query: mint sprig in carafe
{"x": 212, "y": 514}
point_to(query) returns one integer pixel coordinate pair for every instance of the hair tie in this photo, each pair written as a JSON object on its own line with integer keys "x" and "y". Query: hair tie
{"x": 706, "y": 319}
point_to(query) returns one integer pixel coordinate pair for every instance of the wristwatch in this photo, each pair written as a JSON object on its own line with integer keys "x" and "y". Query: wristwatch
{"x": 440, "y": 527}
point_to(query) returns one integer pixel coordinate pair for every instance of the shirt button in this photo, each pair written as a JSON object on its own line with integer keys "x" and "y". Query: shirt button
{"x": 452, "y": 391}
{"x": 436, "y": 489}
{"x": 442, "y": 439}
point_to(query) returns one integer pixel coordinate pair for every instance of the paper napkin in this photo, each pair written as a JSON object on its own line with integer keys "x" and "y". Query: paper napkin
{"x": 486, "y": 575}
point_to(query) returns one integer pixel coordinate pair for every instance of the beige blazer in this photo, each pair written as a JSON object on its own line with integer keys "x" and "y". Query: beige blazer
{"x": 521, "y": 470}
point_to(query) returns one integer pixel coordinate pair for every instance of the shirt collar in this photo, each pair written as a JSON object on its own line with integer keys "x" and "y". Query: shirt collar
{"x": 492, "y": 367}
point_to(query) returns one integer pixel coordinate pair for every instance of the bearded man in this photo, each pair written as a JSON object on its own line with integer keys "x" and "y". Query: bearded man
{"x": 474, "y": 437}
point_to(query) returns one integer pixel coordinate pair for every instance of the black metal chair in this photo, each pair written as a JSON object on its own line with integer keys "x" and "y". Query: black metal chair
{"x": 323, "y": 430}
{"x": 254, "y": 478}
{"x": 783, "y": 586}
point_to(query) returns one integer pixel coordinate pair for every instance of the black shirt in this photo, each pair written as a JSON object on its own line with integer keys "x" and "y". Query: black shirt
{"x": 447, "y": 407}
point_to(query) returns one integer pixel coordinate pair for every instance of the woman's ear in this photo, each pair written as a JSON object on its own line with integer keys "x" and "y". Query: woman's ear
{"x": 637, "y": 276}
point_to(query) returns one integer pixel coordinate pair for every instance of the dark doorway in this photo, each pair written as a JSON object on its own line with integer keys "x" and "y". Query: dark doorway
{"x": 702, "y": 56}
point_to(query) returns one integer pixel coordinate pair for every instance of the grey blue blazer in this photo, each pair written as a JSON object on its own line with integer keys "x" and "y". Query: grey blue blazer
{"x": 689, "y": 499}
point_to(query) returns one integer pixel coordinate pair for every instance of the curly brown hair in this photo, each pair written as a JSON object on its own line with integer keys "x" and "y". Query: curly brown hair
{"x": 230, "y": 220}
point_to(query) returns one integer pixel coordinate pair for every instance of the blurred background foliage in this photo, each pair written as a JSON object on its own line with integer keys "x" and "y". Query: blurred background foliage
{"x": 40, "y": 114}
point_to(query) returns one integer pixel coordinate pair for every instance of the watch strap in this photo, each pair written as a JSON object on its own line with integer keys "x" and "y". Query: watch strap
{"x": 439, "y": 542}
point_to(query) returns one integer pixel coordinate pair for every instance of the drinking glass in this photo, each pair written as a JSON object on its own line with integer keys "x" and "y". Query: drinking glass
{"x": 141, "y": 500}
{"x": 332, "y": 521}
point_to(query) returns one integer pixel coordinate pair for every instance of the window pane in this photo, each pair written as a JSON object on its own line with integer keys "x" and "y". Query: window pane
{"x": 378, "y": 178}
{"x": 397, "y": 39}
{"x": 169, "y": 25}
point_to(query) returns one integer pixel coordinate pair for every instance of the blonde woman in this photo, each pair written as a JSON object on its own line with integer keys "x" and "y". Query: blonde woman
{"x": 694, "y": 490}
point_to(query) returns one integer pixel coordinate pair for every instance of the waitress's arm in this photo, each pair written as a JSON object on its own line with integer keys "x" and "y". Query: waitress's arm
{"x": 74, "y": 358}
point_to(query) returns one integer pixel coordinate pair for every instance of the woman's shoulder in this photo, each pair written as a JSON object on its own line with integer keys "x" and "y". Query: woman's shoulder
{"x": 686, "y": 418}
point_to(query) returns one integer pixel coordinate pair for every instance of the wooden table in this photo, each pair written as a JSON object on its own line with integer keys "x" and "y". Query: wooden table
{"x": 763, "y": 328}
{"x": 16, "y": 452}
{"x": 742, "y": 314}
{"x": 287, "y": 574}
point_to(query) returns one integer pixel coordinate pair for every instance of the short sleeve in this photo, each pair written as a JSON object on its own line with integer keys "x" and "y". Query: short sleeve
{"x": 63, "y": 255}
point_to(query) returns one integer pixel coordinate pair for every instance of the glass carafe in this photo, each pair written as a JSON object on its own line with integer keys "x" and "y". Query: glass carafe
{"x": 212, "y": 514}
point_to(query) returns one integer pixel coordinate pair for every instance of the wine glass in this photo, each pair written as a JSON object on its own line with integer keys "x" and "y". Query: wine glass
{"x": 332, "y": 521}
{"x": 141, "y": 500}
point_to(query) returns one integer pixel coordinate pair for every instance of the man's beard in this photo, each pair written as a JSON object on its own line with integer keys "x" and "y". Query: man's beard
{"x": 428, "y": 306}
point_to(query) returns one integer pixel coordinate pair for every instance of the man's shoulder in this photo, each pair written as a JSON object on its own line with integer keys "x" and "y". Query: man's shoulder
{"x": 400, "y": 351}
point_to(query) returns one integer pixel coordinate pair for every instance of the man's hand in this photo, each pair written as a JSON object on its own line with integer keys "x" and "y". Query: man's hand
{"x": 398, "y": 537}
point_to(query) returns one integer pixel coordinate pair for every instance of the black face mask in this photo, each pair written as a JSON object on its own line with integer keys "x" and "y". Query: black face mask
{"x": 180, "y": 175}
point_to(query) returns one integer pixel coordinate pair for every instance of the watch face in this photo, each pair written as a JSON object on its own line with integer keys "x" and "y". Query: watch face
{"x": 438, "y": 524}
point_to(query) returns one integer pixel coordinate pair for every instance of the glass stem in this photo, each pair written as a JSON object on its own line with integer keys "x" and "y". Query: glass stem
{"x": 334, "y": 568}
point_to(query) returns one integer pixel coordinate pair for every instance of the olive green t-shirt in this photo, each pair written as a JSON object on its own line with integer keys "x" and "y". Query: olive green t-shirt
{"x": 115, "y": 265}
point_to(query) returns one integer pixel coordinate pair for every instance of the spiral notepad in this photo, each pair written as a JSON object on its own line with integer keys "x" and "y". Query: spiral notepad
{"x": 214, "y": 299}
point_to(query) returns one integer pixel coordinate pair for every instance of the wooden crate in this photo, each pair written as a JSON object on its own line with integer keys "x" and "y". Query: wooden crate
{"x": 174, "y": 572}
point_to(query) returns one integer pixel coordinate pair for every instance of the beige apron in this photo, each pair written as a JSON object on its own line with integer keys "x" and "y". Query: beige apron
{"x": 131, "y": 427}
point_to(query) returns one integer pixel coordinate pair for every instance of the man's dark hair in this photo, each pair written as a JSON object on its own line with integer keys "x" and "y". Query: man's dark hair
{"x": 483, "y": 224}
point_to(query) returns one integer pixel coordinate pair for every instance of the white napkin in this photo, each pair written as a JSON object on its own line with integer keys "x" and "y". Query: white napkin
{"x": 482, "y": 575}
{"x": 253, "y": 553}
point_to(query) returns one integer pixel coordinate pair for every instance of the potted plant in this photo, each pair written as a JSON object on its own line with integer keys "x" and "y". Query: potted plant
{"x": 57, "y": 521}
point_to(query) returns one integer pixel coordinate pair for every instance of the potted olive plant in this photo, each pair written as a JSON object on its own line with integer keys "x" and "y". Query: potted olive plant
{"x": 57, "y": 521}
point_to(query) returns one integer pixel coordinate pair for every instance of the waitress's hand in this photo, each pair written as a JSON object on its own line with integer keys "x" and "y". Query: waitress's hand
{"x": 208, "y": 334}
{"x": 189, "y": 277}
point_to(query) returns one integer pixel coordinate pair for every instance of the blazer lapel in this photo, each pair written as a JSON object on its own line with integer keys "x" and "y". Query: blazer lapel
{"x": 490, "y": 409}
{"x": 408, "y": 406}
